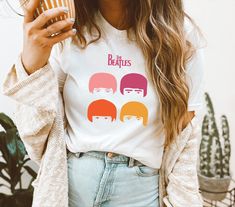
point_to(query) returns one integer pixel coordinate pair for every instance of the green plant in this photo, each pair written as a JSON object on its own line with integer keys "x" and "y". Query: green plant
{"x": 214, "y": 160}
{"x": 12, "y": 165}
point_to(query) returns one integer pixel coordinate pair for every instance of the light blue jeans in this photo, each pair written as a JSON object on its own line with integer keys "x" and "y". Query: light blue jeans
{"x": 98, "y": 180}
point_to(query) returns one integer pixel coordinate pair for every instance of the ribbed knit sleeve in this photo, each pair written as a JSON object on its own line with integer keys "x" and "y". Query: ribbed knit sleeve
{"x": 36, "y": 96}
{"x": 182, "y": 186}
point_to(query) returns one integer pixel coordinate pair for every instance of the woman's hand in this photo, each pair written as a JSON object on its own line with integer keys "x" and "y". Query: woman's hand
{"x": 38, "y": 42}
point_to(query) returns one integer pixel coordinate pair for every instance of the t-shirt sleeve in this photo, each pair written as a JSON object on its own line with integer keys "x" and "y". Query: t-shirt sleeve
{"x": 195, "y": 74}
{"x": 55, "y": 62}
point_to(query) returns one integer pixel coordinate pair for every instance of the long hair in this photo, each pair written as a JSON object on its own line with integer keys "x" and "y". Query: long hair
{"x": 159, "y": 29}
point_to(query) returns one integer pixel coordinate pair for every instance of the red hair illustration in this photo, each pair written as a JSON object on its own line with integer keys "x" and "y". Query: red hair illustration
{"x": 101, "y": 107}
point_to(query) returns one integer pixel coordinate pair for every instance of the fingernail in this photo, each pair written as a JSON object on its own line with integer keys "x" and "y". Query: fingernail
{"x": 74, "y": 30}
{"x": 66, "y": 9}
{"x": 72, "y": 19}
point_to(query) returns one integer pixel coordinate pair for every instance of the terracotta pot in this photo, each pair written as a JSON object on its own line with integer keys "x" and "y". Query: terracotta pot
{"x": 49, "y": 4}
{"x": 214, "y": 188}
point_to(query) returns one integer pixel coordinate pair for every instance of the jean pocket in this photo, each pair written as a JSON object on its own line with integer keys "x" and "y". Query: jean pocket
{"x": 145, "y": 171}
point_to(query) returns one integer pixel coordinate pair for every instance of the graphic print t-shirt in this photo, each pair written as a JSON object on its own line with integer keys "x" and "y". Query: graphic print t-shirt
{"x": 110, "y": 103}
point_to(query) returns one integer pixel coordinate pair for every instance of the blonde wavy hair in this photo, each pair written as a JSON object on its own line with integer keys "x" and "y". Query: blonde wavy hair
{"x": 158, "y": 26}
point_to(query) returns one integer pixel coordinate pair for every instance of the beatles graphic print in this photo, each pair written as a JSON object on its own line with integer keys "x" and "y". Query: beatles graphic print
{"x": 131, "y": 84}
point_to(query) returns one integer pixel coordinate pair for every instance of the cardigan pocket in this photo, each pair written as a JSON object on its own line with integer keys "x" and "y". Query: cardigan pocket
{"x": 182, "y": 195}
{"x": 179, "y": 185}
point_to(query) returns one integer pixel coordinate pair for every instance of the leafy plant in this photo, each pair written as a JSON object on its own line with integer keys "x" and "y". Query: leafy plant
{"x": 13, "y": 154}
{"x": 214, "y": 161}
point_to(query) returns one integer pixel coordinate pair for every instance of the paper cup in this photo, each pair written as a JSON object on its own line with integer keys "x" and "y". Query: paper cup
{"x": 49, "y": 4}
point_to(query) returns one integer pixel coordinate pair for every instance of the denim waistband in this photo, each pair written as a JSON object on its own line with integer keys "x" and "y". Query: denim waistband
{"x": 116, "y": 158}
{"x": 102, "y": 155}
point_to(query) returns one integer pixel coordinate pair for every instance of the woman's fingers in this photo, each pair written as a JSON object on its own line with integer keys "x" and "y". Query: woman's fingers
{"x": 57, "y": 27}
{"x": 62, "y": 36}
{"x": 44, "y": 17}
{"x": 29, "y": 7}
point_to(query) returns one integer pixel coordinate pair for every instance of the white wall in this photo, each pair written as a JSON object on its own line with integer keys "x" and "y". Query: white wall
{"x": 216, "y": 19}
{"x": 10, "y": 41}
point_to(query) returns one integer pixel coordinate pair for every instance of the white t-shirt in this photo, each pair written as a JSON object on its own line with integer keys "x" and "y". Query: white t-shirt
{"x": 110, "y": 104}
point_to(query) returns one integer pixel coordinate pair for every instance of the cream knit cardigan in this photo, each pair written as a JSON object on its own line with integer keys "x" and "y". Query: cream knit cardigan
{"x": 40, "y": 119}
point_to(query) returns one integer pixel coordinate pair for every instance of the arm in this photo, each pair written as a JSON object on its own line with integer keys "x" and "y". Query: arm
{"x": 36, "y": 96}
{"x": 182, "y": 188}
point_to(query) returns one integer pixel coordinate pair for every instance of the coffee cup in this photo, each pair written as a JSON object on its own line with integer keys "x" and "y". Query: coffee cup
{"x": 49, "y": 4}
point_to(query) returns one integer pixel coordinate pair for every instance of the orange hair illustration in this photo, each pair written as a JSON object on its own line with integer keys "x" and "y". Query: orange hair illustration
{"x": 134, "y": 108}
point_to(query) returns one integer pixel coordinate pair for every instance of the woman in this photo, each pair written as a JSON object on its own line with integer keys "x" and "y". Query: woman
{"x": 130, "y": 81}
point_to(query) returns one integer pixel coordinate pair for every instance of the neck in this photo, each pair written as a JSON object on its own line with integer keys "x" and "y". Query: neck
{"x": 112, "y": 11}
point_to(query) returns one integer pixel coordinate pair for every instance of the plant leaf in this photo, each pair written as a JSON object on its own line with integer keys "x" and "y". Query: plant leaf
{"x": 6, "y": 122}
{"x": 31, "y": 171}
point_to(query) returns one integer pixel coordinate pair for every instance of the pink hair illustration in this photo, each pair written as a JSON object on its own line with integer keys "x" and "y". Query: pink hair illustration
{"x": 135, "y": 81}
{"x": 102, "y": 80}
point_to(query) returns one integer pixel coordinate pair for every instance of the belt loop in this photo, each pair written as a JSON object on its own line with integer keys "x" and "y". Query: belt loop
{"x": 131, "y": 162}
{"x": 78, "y": 154}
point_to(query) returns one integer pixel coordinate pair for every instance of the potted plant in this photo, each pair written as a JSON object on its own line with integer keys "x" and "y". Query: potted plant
{"x": 214, "y": 173}
{"x": 12, "y": 165}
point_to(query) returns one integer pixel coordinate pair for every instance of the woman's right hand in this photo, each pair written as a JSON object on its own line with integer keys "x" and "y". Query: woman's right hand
{"x": 38, "y": 42}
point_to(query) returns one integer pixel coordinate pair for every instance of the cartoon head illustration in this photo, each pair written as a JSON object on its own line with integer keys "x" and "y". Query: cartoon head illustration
{"x": 134, "y": 83}
{"x": 101, "y": 110}
{"x": 102, "y": 82}
{"x": 134, "y": 111}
